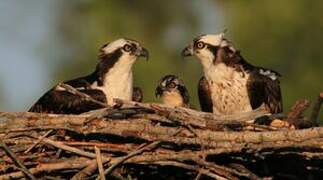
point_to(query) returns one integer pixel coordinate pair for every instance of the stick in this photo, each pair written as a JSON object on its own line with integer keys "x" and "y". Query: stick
{"x": 73, "y": 163}
{"x": 72, "y": 90}
{"x": 134, "y": 153}
{"x": 90, "y": 169}
{"x": 38, "y": 141}
{"x": 149, "y": 132}
{"x": 99, "y": 161}
{"x": 196, "y": 118}
{"x": 190, "y": 167}
{"x": 69, "y": 148}
{"x": 316, "y": 108}
{"x": 198, "y": 176}
{"x": 14, "y": 158}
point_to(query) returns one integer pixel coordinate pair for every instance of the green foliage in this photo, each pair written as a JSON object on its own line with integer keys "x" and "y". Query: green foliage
{"x": 282, "y": 35}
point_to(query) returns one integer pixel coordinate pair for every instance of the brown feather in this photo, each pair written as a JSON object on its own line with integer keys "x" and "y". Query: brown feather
{"x": 263, "y": 90}
{"x": 204, "y": 94}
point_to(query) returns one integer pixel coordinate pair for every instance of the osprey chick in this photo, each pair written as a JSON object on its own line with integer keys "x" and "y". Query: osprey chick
{"x": 112, "y": 78}
{"x": 172, "y": 91}
{"x": 230, "y": 84}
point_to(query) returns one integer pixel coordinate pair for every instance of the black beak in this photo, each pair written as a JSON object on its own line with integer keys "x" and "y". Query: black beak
{"x": 144, "y": 53}
{"x": 187, "y": 51}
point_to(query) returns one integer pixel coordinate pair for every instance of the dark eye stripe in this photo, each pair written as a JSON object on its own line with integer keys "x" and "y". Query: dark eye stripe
{"x": 213, "y": 49}
{"x": 127, "y": 47}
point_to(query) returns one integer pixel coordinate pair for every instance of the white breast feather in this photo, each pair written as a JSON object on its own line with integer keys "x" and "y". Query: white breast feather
{"x": 118, "y": 82}
{"x": 228, "y": 89}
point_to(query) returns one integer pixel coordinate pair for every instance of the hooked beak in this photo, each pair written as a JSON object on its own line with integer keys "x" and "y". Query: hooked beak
{"x": 143, "y": 52}
{"x": 188, "y": 51}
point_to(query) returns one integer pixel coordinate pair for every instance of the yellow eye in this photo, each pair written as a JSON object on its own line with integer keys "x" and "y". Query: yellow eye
{"x": 127, "y": 47}
{"x": 200, "y": 45}
{"x": 171, "y": 85}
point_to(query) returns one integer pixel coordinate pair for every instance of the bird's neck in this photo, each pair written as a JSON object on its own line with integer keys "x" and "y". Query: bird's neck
{"x": 214, "y": 71}
{"x": 207, "y": 63}
{"x": 117, "y": 82}
{"x": 172, "y": 99}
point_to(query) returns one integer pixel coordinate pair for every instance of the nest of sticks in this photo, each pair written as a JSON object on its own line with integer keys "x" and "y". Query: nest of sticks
{"x": 144, "y": 141}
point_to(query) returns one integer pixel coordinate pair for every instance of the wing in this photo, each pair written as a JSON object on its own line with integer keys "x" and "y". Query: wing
{"x": 137, "y": 94}
{"x": 264, "y": 88}
{"x": 83, "y": 82}
{"x": 204, "y": 93}
{"x": 63, "y": 102}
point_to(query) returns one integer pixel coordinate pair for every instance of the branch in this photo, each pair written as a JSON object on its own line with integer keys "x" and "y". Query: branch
{"x": 38, "y": 141}
{"x": 134, "y": 153}
{"x": 197, "y": 117}
{"x": 316, "y": 108}
{"x": 76, "y": 163}
{"x": 296, "y": 115}
{"x": 200, "y": 144}
{"x": 72, "y": 90}
{"x": 99, "y": 162}
{"x": 19, "y": 164}
{"x": 71, "y": 149}
{"x": 142, "y": 130}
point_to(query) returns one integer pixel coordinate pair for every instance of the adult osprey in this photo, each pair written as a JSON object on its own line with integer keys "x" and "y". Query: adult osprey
{"x": 172, "y": 91}
{"x": 230, "y": 84}
{"x": 112, "y": 78}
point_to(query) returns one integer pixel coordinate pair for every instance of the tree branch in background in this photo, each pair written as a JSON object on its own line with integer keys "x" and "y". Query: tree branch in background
{"x": 317, "y": 108}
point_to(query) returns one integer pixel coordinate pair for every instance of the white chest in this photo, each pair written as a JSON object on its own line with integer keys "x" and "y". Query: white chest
{"x": 229, "y": 90}
{"x": 117, "y": 83}
{"x": 119, "y": 87}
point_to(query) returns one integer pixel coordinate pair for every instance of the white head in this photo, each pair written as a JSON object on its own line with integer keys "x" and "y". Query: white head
{"x": 206, "y": 48}
{"x": 125, "y": 47}
{"x": 119, "y": 55}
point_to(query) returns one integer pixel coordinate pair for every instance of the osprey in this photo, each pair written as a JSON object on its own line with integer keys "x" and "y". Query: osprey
{"x": 230, "y": 84}
{"x": 172, "y": 91}
{"x": 112, "y": 78}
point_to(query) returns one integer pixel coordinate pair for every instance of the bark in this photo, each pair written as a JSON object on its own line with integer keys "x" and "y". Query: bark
{"x": 149, "y": 141}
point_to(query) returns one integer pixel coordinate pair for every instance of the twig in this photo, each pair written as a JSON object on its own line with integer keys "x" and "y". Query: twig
{"x": 190, "y": 167}
{"x": 99, "y": 161}
{"x": 14, "y": 158}
{"x": 297, "y": 110}
{"x": 198, "y": 176}
{"x": 316, "y": 108}
{"x": 71, "y": 163}
{"x": 134, "y": 153}
{"x": 197, "y": 118}
{"x": 296, "y": 115}
{"x": 90, "y": 169}
{"x": 108, "y": 146}
{"x": 247, "y": 173}
{"x": 72, "y": 90}
{"x": 69, "y": 148}
{"x": 38, "y": 141}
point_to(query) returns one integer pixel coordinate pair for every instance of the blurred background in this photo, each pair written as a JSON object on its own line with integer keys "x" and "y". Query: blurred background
{"x": 43, "y": 42}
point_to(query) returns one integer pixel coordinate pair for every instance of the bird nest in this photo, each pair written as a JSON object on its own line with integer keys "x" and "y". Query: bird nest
{"x": 144, "y": 141}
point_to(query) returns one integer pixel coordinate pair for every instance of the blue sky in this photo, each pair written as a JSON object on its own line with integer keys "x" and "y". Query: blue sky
{"x": 24, "y": 27}
{"x": 31, "y": 49}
